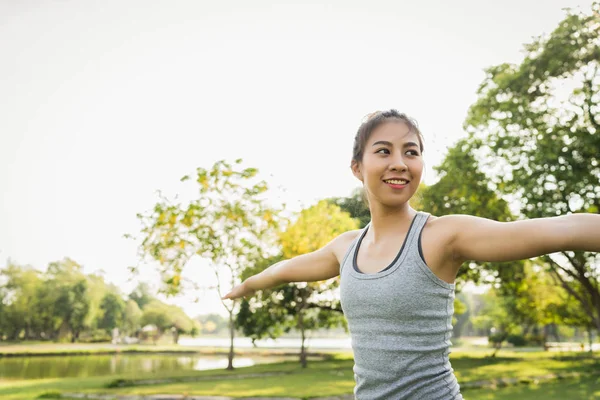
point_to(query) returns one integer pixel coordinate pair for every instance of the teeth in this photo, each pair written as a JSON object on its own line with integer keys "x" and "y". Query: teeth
{"x": 397, "y": 181}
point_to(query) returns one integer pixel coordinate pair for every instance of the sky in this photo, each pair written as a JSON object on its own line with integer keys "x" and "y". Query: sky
{"x": 104, "y": 102}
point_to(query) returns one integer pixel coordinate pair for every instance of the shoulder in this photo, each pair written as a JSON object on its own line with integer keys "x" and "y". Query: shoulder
{"x": 446, "y": 222}
{"x": 347, "y": 237}
{"x": 342, "y": 242}
{"x": 445, "y": 228}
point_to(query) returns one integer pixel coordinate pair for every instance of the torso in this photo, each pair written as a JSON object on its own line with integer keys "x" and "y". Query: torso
{"x": 399, "y": 312}
{"x": 436, "y": 239}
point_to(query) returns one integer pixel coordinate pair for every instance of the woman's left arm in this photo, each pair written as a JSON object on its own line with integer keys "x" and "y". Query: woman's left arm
{"x": 480, "y": 239}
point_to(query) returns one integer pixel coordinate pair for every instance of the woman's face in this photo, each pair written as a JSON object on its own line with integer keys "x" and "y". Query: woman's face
{"x": 392, "y": 164}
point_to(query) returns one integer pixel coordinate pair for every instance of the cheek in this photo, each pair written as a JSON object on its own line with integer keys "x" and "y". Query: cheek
{"x": 417, "y": 167}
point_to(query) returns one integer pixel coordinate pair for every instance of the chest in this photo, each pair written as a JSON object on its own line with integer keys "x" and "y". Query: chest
{"x": 372, "y": 258}
{"x": 402, "y": 294}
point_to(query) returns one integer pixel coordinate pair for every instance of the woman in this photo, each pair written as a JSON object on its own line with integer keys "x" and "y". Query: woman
{"x": 397, "y": 274}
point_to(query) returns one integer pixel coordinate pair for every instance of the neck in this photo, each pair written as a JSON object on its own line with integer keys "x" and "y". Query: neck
{"x": 387, "y": 221}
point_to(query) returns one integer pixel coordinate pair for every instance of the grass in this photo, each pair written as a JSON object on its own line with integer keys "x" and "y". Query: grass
{"x": 587, "y": 388}
{"x": 334, "y": 376}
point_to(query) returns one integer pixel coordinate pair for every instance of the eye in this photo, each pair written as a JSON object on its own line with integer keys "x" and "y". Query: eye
{"x": 382, "y": 151}
{"x": 412, "y": 152}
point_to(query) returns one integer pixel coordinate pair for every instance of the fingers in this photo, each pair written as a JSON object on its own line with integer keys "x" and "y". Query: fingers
{"x": 228, "y": 296}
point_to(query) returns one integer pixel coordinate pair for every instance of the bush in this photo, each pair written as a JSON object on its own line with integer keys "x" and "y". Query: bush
{"x": 96, "y": 336}
{"x": 517, "y": 340}
{"x": 497, "y": 338}
{"x": 50, "y": 395}
{"x": 535, "y": 340}
{"x": 119, "y": 383}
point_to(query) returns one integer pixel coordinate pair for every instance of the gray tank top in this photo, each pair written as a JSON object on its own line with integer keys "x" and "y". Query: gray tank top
{"x": 400, "y": 321}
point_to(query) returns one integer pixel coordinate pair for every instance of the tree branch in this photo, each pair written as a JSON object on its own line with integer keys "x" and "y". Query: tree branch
{"x": 590, "y": 103}
{"x": 586, "y": 306}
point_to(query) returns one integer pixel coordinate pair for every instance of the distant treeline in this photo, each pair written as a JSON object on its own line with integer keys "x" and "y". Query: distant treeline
{"x": 64, "y": 304}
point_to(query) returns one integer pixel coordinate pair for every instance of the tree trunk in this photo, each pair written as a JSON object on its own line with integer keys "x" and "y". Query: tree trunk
{"x": 497, "y": 348}
{"x": 303, "y": 337}
{"x": 545, "y": 337}
{"x": 176, "y": 336}
{"x": 498, "y": 345}
{"x": 231, "y": 337}
{"x": 591, "y": 342}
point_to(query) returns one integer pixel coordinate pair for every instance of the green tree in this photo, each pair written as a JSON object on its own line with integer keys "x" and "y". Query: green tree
{"x": 180, "y": 323}
{"x": 142, "y": 295}
{"x": 305, "y": 306}
{"x": 228, "y": 224}
{"x": 73, "y": 305}
{"x": 21, "y": 286}
{"x": 356, "y": 205}
{"x": 463, "y": 188}
{"x": 498, "y": 318}
{"x": 113, "y": 310}
{"x": 536, "y": 126}
{"x": 132, "y": 316}
{"x": 158, "y": 315}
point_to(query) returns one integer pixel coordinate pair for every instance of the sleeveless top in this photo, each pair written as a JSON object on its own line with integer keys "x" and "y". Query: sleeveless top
{"x": 400, "y": 322}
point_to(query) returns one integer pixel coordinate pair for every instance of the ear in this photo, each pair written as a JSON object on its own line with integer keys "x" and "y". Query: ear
{"x": 355, "y": 166}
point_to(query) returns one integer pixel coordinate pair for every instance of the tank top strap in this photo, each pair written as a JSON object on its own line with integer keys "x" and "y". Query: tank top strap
{"x": 348, "y": 257}
{"x": 412, "y": 242}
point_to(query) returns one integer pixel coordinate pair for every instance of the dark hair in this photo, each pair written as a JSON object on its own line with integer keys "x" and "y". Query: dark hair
{"x": 373, "y": 121}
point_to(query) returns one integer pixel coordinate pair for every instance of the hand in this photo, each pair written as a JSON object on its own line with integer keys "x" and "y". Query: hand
{"x": 241, "y": 290}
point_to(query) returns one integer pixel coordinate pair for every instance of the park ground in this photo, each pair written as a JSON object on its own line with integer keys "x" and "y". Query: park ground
{"x": 509, "y": 375}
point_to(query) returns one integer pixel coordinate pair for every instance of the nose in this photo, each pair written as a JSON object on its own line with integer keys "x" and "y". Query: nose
{"x": 397, "y": 164}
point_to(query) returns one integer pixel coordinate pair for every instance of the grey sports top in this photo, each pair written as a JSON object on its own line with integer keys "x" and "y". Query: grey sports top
{"x": 400, "y": 321}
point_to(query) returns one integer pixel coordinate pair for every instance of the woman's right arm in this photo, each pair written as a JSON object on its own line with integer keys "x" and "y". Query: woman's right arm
{"x": 319, "y": 265}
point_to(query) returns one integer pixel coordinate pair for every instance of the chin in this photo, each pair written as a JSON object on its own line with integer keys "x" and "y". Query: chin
{"x": 393, "y": 201}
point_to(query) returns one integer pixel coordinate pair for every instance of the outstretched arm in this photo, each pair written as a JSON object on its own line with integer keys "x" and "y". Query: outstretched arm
{"x": 319, "y": 265}
{"x": 480, "y": 239}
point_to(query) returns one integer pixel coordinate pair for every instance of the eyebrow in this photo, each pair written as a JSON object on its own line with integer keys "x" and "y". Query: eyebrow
{"x": 386, "y": 143}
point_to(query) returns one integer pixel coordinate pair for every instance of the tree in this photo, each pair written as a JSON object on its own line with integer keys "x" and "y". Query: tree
{"x": 20, "y": 296}
{"x": 142, "y": 295}
{"x": 498, "y": 318}
{"x": 228, "y": 223}
{"x": 71, "y": 296}
{"x": 131, "y": 317}
{"x": 539, "y": 143}
{"x": 113, "y": 309}
{"x": 156, "y": 314}
{"x": 73, "y": 306}
{"x": 356, "y": 205}
{"x": 181, "y": 323}
{"x": 463, "y": 188}
{"x": 306, "y": 306}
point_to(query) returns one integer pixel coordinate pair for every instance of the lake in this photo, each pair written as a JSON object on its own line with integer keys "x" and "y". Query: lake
{"x": 342, "y": 343}
{"x": 82, "y": 366}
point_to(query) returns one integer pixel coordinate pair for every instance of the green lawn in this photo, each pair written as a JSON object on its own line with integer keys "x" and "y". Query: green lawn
{"x": 334, "y": 377}
{"x": 571, "y": 389}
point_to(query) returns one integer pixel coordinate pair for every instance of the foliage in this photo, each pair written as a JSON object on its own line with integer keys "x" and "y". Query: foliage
{"x": 536, "y": 126}
{"x": 227, "y": 222}
{"x": 142, "y": 295}
{"x": 63, "y": 303}
{"x": 305, "y": 306}
{"x": 132, "y": 316}
{"x": 113, "y": 310}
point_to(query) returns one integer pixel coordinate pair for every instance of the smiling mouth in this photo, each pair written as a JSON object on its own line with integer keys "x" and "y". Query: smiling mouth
{"x": 396, "y": 181}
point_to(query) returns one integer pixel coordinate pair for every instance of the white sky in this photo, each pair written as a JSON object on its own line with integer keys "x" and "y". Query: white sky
{"x": 103, "y": 102}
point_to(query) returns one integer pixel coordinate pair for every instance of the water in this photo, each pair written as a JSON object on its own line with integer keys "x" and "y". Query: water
{"x": 281, "y": 343}
{"x": 41, "y": 367}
